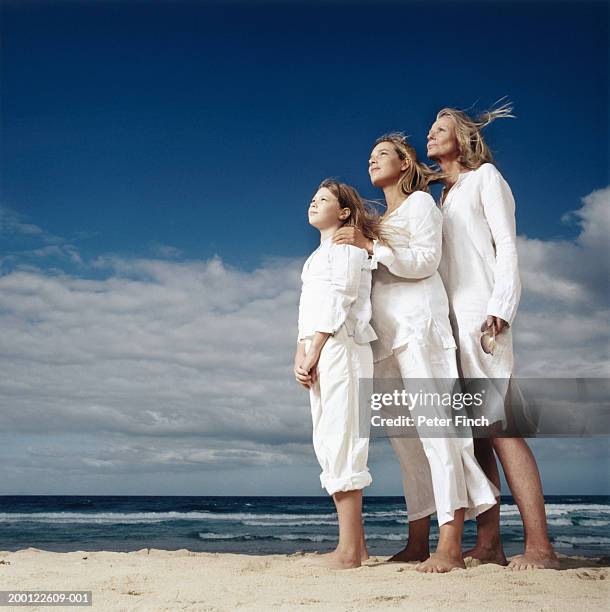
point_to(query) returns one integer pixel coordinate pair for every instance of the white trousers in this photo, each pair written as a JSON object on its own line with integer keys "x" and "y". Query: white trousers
{"x": 339, "y": 447}
{"x": 438, "y": 474}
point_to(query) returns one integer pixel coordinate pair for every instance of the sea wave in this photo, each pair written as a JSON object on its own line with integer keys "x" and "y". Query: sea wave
{"x": 557, "y": 513}
{"x": 286, "y": 523}
{"x": 151, "y": 517}
{"x": 561, "y": 522}
{"x": 145, "y": 517}
{"x": 292, "y": 537}
{"x": 593, "y": 522}
{"x": 578, "y": 540}
{"x": 99, "y": 517}
{"x": 559, "y": 509}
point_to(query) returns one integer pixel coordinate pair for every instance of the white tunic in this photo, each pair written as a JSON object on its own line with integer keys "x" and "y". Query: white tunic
{"x": 479, "y": 267}
{"x": 415, "y": 343}
{"x": 336, "y": 291}
{"x": 408, "y": 297}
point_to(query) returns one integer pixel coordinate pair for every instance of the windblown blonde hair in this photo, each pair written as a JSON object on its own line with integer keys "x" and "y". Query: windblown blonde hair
{"x": 418, "y": 176}
{"x": 474, "y": 151}
{"x": 363, "y": 214}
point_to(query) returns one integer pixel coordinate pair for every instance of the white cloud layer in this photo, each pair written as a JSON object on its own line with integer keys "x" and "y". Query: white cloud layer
{"x": 183, "y": 366}
{"x": 562, "y": 324}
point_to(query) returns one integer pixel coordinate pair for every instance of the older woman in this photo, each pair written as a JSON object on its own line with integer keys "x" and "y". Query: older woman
{"x": 415, "y": 344}
{"x": 480, "y": 272}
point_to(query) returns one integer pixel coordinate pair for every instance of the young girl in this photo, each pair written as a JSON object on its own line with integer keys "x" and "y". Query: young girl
{"x": 333, "y": 354}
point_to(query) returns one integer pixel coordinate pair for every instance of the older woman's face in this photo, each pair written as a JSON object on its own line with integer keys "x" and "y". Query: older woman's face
{"x": 442, "y": 140}
{"x": 385, "y": 166}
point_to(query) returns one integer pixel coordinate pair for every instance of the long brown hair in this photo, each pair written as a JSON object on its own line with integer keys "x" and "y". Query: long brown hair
{"x": 363, "y": 215}
{"x": 418, "y": 176}
{"x": 474, "y": 151}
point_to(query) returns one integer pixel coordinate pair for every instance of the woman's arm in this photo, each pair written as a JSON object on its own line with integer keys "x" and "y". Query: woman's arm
{"x": 499, "y": 208}
{"x": 414, "y": 249}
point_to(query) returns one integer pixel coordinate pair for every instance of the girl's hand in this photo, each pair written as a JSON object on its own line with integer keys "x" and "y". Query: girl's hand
{"x": 306, "y": 365}
{"x": 352, "y": 235}
{"x": 498, "y": 324}
{"x": 310, "y": 362}
{"x": 302, "y": 376}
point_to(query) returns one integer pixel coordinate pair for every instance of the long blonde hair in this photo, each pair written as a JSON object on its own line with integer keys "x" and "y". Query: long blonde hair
{"x": 474, "y": 151}
{"x": 418, "y": 176}
{"x": 363, "y": 215}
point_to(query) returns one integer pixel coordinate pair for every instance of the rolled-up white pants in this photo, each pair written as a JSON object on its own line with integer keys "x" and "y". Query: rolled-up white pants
{"x": 335, "y": 413}
{"x": 438, "y": 474}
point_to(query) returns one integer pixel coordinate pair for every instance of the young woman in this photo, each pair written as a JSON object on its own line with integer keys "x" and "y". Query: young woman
{"x": 333, "y": 353}
{"x": 415, "y": 343}
{"x": 480, "y": 271}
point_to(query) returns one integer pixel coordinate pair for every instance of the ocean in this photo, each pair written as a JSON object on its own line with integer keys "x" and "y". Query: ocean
{"x": 578, "y": 525}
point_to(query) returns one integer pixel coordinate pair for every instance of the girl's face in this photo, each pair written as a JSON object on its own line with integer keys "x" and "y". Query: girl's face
{"x": 442, "y": 140}
{"x": 324, "y": 210}
{"x": 385, "y": 166}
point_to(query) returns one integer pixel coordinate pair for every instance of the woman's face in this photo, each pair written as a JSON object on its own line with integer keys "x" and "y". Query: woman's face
{"x": 385, "y": 166}
{"x": 442, "y": 140}
{"x": 324, "y": 210}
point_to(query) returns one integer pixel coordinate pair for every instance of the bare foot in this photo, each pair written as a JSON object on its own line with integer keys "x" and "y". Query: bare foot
{"x": 409, "y": 554}
{"x": 339, "y": 560}
{"x": 364, "y": 553}
{"x": 335, "y": 559}
{"x": 438, "y": 563}
{"x": 342, "y": 561}
{"x": 535, "y": 558}
{"x": 487, "y": 554}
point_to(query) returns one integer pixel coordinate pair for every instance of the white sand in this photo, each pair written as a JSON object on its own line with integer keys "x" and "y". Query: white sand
{"x": 183, "y": 580}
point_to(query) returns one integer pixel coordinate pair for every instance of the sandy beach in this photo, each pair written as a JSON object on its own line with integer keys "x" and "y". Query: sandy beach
{"x": 151, "y": 579}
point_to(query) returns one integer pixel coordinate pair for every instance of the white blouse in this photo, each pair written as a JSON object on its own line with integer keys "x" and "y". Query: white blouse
{"x": 336, "y": 291}
{"x": 408, "y": 297}
{"x": 479, "y": 265}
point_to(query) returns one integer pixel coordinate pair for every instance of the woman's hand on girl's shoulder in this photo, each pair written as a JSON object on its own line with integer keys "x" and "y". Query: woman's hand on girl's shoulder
{"x": 353, "y": 236}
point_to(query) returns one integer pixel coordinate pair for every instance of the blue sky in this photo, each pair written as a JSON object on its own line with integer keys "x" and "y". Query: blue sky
{"x": 207, "y": 126}
{"x": 157, "y": 162}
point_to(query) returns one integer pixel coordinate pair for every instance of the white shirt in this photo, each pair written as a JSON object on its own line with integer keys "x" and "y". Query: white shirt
{"x": 479, "y": 265}
{"x": 336, "y": 291}
{"x": 408, "y": 297}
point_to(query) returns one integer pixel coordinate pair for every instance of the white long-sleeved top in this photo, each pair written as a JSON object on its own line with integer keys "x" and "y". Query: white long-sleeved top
{"x": 479, "y": 265}
{"x": 336, "y": 291}
{"x": 408, "y": 297}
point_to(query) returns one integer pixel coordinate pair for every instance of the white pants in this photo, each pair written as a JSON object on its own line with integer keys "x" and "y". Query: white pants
{"x": 438, "y": 474}
{"x": 339, "y": 447}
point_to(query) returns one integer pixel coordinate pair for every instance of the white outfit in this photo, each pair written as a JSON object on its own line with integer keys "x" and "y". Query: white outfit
{"x": 336, "y": 299}
{"x": 480, "y": 270}
{"x": 408, "y": 297}
{"x": 411, "y": 319}
{"x": 336, "y": 291}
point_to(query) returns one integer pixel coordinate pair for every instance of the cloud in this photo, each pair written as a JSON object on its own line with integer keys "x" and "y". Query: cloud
{"x": 158, "y": 348}
{"x": 26, "y": 241}
{"x": 156, "y": 365}
{"x": 12, "y": 223}
{"x": 165, "y": 250}
{"x": 562, "y": 325}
